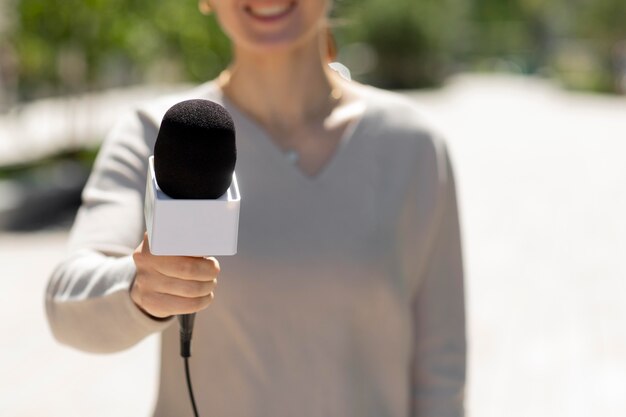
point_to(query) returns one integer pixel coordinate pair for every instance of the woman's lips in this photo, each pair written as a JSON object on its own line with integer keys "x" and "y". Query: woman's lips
{"x": 270, "y": 12}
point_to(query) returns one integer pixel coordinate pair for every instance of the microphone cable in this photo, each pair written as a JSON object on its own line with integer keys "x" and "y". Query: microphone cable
{"x": 189, "y": 388}
{"x": 186, "y": 330}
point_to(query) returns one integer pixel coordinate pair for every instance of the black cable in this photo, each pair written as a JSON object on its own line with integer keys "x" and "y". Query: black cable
{"x": 193, "y": 401}
{"x": 186, "y": 331}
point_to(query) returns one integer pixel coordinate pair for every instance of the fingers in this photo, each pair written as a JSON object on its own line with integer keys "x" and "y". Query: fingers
{"x": 183, "y": 267}
{"x": 166, "y": 305}
{"x": 163, "y": 296}
{"x": 180, "y": 287}
{"x": 171, "y": 285}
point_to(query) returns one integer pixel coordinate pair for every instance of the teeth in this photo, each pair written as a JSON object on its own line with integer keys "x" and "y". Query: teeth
{"x": 269, "y": 11}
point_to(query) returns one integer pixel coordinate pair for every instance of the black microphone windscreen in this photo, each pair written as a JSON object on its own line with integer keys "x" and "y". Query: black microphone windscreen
{"x": 195, "y": 153}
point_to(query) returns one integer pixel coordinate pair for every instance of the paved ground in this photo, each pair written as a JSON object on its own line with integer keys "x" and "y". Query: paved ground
{"x": 541, "y": 177}
{"x": 39, "y": 377}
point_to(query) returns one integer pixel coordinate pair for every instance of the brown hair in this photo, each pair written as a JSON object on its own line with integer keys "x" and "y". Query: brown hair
{"x": 331, "y": 45}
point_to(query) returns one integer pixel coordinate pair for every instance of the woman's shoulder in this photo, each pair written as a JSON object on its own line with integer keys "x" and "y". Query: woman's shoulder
{"x": 399, "y": 121}
{"x": 139, "y": 126}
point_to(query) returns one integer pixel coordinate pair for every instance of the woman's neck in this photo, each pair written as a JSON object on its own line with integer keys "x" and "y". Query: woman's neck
{"x": 284, "y": 89}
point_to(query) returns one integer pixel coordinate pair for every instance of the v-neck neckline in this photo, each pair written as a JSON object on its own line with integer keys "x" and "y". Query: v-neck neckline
{"x": 344, "y": 141}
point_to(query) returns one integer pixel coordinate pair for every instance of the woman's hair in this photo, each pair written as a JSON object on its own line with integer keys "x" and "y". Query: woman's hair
{"x": 331, "y": 45}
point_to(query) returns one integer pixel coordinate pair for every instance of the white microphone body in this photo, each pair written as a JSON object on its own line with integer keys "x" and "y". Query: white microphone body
{"x": 191, "y": 227}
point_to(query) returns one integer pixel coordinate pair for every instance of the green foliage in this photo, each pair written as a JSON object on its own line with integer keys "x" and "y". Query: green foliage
{"x": 419, "y": 42}
{"x": 85, "y": 44}
{"x": 415, "y": 40}
{"x": 592, "y": 63}
{"x": 78, "y": 45}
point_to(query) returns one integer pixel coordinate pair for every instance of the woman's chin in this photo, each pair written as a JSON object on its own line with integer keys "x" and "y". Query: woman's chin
{"x": 276, "y": 43}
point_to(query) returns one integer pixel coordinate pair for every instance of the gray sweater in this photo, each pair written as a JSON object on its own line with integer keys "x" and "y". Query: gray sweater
{"x": 345, "y": 297}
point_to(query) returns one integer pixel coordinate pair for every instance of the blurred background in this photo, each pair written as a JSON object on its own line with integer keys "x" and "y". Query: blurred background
{"x": 530, "y": 93}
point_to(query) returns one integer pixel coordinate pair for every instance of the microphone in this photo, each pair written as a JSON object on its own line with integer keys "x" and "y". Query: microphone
{"x": 192, "y": 197}
{"x": 195, "y": 153}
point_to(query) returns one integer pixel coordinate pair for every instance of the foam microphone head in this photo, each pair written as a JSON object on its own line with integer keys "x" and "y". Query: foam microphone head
{"x": 195, "y": 153}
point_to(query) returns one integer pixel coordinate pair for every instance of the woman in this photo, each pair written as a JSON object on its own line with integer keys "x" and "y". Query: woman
{"x": 346, "y": 295}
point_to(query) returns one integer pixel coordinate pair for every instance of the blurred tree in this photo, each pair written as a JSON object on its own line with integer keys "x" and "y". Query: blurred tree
{"x": 8, "y": 59}
{"x": 599, "y": 28}
{"x": 77, "y": 45}
{"x": 415, "y": 41}
{"x": 515, "y": 34}
{"x": 572, "y": 40}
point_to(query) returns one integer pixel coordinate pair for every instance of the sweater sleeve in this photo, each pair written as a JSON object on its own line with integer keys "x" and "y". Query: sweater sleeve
{"x": 88, "y": 303}
{"x": 439, "y": 361}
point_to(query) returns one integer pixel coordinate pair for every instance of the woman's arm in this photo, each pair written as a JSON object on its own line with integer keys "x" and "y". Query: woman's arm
{"x": 89, "y": 307}
{"x": 439, "y": 366}
{"x": 87, "y": 299}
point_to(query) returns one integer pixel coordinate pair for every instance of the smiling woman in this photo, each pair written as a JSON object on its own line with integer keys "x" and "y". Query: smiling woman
{"x": 270, "y": 24}
{"x": 269, "y": 13}
{"x": 346, "y": 295}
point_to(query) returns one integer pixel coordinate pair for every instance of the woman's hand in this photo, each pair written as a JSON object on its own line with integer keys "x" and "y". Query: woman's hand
{"x": 170, "y": 285}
